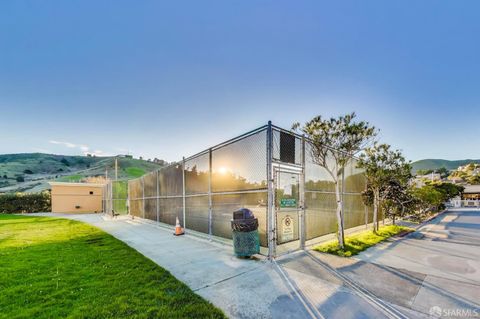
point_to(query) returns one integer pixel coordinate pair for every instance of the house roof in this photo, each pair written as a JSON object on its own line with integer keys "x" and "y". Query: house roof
{"x": 75, "y": 184}
{"x": 472, "y": 189}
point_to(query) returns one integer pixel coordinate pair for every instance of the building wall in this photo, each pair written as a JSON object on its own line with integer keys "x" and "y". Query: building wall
{"x": 76, "y": 198}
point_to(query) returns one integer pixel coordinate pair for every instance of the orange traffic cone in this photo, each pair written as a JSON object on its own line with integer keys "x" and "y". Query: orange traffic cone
{"x": 178, "y": 229}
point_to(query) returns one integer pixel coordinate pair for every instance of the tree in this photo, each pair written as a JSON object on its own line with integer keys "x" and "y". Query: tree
{"x": 443, "y": 171}
{"x": 427, "y": 198}
{"x": 424, "y": 172}
{"x": 333, "y": 142}
{"x": 448, "y": 190}
{"x": 398, "y": 200}
{"x": 387, "y": 174}
{"x": 65, "y": 162}
{"x": 27, "y": 171}
{"x": 20, "y": 179}
{"x": 474, "y": 180}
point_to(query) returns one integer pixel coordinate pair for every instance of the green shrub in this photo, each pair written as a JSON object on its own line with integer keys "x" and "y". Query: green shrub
{"x": 25, "y": 203}
{"x": 20, "y": 179}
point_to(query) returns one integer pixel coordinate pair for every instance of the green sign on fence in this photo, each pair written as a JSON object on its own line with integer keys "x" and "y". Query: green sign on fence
{"x": 288, "y": 202}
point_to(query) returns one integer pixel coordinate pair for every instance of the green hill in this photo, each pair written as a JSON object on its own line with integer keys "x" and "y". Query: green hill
{"x": 30, "y": 171}
{"x": 427, "y": 164}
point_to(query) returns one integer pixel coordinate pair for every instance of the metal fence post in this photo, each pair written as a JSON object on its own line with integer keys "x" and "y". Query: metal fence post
{"x": 270, "y": 201}
{"x": 342, "y": 200}
{"x": 366, "y": 207}
{"x": 128, "y": 198}
{"x": 112, "y": 200}
{"x": 183, "y": 194}
{"x": 302, "y": 199}
{"x": 107, "y": 200}
{"x": 210, "y": 212}
{"x": 110, "y": 193}
{"x": 143, "y": 196}
{"x": 158, "y": 199}
{"x": 104, "y": 199}
{"x": 366, "y": 216}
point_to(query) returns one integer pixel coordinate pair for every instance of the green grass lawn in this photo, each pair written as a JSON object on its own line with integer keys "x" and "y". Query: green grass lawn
{"x": 356, "y": 243}
{"x": 70, "y": 178}
{"x": 59, "y": 268}
{"x": 134, "y": 172}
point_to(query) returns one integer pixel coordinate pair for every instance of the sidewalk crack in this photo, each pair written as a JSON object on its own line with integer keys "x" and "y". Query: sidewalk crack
{"x": 225, "y": 279}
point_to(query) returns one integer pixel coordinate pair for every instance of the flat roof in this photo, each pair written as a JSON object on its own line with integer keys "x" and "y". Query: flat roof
{"x": 472, "y": 189}
{"x": 75, "y": 184}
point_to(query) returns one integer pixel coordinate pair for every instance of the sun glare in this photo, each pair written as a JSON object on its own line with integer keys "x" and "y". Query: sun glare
{"x": 223, "y": 170}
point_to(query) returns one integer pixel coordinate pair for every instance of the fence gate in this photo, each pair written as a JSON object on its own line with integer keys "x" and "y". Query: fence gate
{"x": 288, "y": 209}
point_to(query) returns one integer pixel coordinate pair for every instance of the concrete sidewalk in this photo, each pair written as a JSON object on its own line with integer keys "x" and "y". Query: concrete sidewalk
{"x": 241, "y": 288}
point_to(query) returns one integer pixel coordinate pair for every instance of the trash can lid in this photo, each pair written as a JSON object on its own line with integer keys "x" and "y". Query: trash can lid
{"x": 243, "y": 213}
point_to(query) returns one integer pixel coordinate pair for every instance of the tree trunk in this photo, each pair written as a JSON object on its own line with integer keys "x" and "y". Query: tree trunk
{"x": 375, "y": 210}
{"x": 393, "y": 219}
{"x": 340, "y": 234}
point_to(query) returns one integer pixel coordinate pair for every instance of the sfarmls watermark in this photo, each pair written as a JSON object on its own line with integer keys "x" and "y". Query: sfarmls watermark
{"x": 454, "y": 312}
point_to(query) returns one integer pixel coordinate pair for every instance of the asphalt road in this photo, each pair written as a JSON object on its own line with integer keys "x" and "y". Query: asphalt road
{"x": 447, "y": 247}
{"x": 441, "y": 262}
{"x": 434, "y": 272}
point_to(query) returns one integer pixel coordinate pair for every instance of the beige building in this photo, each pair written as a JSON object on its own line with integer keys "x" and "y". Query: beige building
{"x": 76, "y": 197}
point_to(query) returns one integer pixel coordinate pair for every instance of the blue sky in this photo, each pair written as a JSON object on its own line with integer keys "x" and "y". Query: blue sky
{"x": 170, "y": 78}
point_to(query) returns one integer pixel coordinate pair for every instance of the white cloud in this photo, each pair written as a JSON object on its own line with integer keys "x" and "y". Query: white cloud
{"x": 100, "y": 153}
{"x": 85, "y": 149}
{"x": 67, "y": 144}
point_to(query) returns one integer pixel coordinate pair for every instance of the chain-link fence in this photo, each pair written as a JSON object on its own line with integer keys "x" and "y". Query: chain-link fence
{"x": 203, "y": 191}
{"x": 115, "y": 198}
{"x": 321, "y": 196}
{"x": 107, "y": 198}
{"x": 120, "y": 197}
{"x": 269, "y": 170}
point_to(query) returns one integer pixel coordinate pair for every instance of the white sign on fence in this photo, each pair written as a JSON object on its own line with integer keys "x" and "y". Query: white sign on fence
{"x": 287, "y": 228}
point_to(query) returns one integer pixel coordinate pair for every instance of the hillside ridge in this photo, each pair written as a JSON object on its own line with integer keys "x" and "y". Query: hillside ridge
{"x": 30, "y": 172}
{"x": 433, "y": 163}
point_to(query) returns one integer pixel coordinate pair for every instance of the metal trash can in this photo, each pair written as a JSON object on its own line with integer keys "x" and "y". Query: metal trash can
{"x": 246, "y": 241}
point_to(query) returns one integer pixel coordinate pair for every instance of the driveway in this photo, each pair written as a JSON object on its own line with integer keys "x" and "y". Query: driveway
{"x": 447, "y": 247}
{"x": 434, "y": 272}
{"x": 441, "y": 259}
